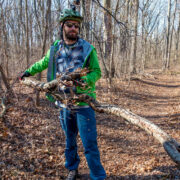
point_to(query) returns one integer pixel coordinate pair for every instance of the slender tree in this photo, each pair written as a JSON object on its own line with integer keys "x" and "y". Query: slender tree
{"x": 87, "y": 18}
{"x": 166, "y": 64}
{"x": 27, "y": 33}
{"x": 134, "y": 42}
{"x": 172, "y": 32}
{"x": 177, "y": 53}
{"x": 108, "y": 35}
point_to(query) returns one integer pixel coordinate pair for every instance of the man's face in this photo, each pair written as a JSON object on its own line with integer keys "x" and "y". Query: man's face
{"x": 71, "y": 29}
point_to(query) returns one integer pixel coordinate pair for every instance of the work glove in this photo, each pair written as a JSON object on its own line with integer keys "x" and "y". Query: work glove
{"x": 65, "y": 78}
{"x": 70, "y": 77}
{"x": 25, "y": 74}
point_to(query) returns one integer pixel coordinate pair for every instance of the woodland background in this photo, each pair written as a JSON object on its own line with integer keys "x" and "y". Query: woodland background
{"x": 129, "y": 35}
{"x": 132, "y": 38}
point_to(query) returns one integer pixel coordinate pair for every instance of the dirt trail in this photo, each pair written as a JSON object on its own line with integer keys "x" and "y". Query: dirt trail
{"x": 32, "y": 142}
{"x": 158, "y": 100}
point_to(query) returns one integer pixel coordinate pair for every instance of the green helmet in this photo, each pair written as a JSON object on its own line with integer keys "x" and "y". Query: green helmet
{"x": 69, "y": 14}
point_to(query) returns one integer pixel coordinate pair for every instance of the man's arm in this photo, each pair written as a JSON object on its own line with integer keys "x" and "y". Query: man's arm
{"x": 95, "y": 71}
{"x": 40, "y": 65}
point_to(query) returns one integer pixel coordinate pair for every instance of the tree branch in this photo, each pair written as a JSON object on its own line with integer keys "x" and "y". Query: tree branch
{"x": 119, "y": 22}
{"x": 3, "y": 107}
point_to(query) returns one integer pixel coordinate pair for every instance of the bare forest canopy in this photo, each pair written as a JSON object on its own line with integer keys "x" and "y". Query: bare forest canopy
{"x": 129, "y": 35}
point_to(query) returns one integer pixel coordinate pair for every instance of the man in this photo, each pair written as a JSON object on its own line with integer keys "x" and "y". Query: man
{"x": 63, "y": 57}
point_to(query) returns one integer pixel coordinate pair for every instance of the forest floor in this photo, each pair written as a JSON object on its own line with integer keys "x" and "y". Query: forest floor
{"x": 32, "y": 142}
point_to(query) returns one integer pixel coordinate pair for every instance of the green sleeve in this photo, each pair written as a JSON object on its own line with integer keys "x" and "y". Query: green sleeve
{"x": 95, "y": 71}
{"x": 91, "y": 77}
{"x": 40, "y": 65}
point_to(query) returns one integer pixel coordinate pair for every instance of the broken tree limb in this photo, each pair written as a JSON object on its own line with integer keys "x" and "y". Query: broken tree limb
{"x": 171, "y": 146}
{"x": 45, "y": 87}
{"x": 40, "y": 85}
{"x": 3, "y": 107}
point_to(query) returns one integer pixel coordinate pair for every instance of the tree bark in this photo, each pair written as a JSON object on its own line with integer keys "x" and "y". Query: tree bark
{"x": 127, "y": 51}
{"x": 4, "y": 78}
{"x": 4, "y": 108}
{"x": 172, "y": 32}
{"x": 170, "y": 145}
{"x": 87, "y": 18}
{"x": 5, "y": 43}
{"x": 19, "y": 23}
{"x": 1, "y": 89}
{"x": 108, "y": 37}
{"x": 27, "y": 33}
{"x": 166, "y": 65}
{"x": 134, "y": 42}
{"x": 38, "y": 21}
{"x": 177, "y": 53}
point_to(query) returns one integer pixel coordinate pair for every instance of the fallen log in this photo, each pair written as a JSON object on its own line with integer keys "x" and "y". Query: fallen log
{"x": 171, "y": 146}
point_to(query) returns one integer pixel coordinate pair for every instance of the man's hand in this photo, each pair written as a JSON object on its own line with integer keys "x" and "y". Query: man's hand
{"x": 65, "y": 78}
{"x": 25, "y": 74}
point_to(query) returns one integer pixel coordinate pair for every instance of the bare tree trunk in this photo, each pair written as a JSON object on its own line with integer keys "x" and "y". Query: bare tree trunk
{"x": 19, "y": 23}
{"x": 134, "y": 42}
{"x": 108, "y": 37}
{"x": 50, "y": 34}
{"x": 27, "y": 33}
{"x": 172, "y": 32}
{"x": 87, "y": 18}
{"x": 4, "y": 79}
{"x": 127, "y": 51}
{"x": 48, "y": 3}
{"x": 113, "y": 64}
{"x": 166, "y": 66}
{"x": 1, "y": 56}
{"x": 1, "y": 89}
{"x": 5, "y": 43}
{"x": 177, "y": 53}
{"x": 38, "y": 21}
{"x": 94, "y": 19}
{"x": 8, "y": 90}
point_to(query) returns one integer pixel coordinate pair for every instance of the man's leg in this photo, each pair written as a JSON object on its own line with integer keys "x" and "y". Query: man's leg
{"x": 87, "y": 127}
{"x": 69, "y": 125}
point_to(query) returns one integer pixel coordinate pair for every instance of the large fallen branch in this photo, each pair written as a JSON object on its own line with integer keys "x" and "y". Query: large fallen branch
{"x": 171, "y": 146}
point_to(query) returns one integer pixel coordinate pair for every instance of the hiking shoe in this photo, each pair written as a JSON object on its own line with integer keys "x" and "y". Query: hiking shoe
{"x": 72, "y": 175}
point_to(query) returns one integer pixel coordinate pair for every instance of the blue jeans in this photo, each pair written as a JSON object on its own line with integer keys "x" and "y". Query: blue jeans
{"x": 82, "y": 119}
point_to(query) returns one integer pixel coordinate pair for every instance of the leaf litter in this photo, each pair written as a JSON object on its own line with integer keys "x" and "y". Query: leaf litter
{"x": 32, "y": 141}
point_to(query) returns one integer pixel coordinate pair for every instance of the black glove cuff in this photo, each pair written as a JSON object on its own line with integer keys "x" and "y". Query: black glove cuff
{"x": 26, "y": 74}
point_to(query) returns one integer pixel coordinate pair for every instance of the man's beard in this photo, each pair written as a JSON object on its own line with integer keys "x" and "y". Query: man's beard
{"x": 71, "y": 36}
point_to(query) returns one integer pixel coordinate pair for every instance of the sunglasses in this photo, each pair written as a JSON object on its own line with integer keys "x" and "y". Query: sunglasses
{"x": 70, "y": 25}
